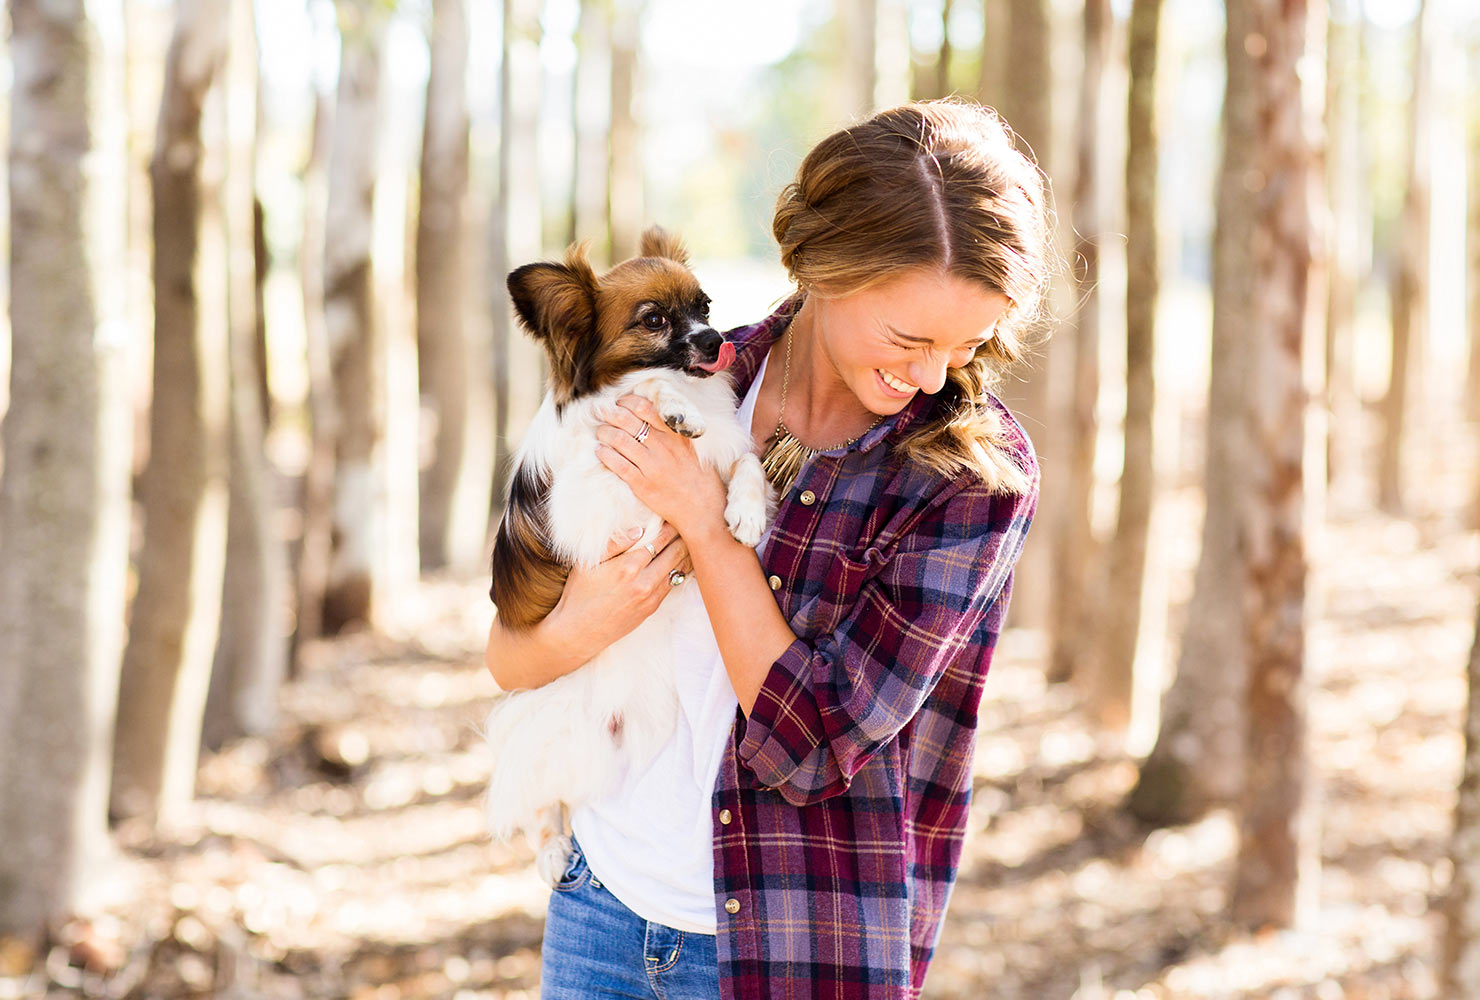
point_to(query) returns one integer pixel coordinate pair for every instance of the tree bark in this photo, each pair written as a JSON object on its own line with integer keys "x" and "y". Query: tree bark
{"x": 518, "y": 363}
{"x": 860, "y": 56}
{"x": 1075, "y": 555}
{"x": 251, "y": 656}
{"x": 991, "y": 83}
{"x": 625, "y": 195}
{"x": 1112, "y": 679}
{"x": 1345, "y": 170}
{"x": 1461, "y": 970}
{"x": 593, "y": 79}
{"x": 1472, "y": 241}
{"x": 184, "y": 490}
{"x": 1409, "y": 284}
{"x": 314, "y": 548}
{"x": 1277, "y": 859}
{"x": 454, "y": 507}
{"x": 1197, "y": 761}
{"x": 350, "y": 321}
{"x": 1027, "y": 108}
{"x": 64, "y": 504}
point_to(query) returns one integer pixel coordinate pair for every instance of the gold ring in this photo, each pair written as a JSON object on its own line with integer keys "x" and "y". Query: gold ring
{"x": 676, "y": 578}
{"x": 642, "y": 432}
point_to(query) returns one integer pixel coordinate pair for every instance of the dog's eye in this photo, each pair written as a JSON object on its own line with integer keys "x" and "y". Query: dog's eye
{"x": 654, "y": 320}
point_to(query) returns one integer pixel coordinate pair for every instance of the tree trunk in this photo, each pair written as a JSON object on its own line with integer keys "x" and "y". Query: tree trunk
{"x": 860, "y": 56}
{"x": 314, "y": 548}
{"x": 1461, "y": 971}
{"x": 1074, "y": 552}
{"x": 454, "y": 507}
{"x": 349, "y": 319}
{"x": 933, "y": 75}
{"x": 518, "y": 363}
{"x": 1410, "y": 276}
{"x": 625, "y": 198}
{"x": 1111, "y": 682}
{"x": 64, "y": 505}
{"x": 1472, "y": 241}
{"x": 1197, "y": 761}
{"x": 992, "y": 68}
{"x": 184, "y": 491}
{"x": 251, "y": 656}
{"x": 593, "y": 78}
{"x": 1345, "y": 170}
{"x": 1277, "y": 860}
{"x": 1026, "y": 105}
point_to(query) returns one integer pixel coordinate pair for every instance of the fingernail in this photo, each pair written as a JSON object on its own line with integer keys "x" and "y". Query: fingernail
{"x": 634, "y": 533}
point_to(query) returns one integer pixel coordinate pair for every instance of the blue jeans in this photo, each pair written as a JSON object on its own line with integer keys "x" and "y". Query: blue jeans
{"x": 596, "y": 947}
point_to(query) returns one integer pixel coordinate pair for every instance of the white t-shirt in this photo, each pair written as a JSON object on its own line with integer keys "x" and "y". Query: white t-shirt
{"x": 651, "y": 839}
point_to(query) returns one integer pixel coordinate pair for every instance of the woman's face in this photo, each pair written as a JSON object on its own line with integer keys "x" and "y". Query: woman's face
{"x": 899, "y": 337}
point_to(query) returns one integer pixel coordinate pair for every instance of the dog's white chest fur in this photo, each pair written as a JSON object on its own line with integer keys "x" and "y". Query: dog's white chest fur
{"x": 587, "y": 504}
{"x": 569, "y": 740}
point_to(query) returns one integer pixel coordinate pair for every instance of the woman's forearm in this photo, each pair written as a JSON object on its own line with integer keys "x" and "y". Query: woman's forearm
{"x": 533, "y": 657}
{"x": 749, "y": 627}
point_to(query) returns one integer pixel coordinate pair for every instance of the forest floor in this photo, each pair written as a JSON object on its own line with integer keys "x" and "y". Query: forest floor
{"x": 345, "y": 856}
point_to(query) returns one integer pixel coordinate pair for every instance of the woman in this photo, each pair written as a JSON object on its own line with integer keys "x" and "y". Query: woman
{"x": 800, "y": 834}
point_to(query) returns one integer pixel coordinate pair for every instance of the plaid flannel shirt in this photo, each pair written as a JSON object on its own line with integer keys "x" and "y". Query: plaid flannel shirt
{"x": 841, "y": 803}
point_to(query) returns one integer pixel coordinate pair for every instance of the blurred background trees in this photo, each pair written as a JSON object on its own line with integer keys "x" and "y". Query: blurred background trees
{"x": 271, "y": 286}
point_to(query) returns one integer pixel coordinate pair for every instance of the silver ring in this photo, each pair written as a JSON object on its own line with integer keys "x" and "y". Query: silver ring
{"x": 642, "y": 432}
{"x": 676, "y": 578}
{"x": 652, "y": 549}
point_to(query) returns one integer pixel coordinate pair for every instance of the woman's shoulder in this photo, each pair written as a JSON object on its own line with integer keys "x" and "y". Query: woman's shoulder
{"x": 1006, "y": 473}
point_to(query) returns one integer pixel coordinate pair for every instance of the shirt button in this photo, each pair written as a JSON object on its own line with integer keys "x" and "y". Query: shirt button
{"x": 725, "y": 817}
{"x": 808, "y": 498}
{"x": 774, "y": 581}
{"x": 732, "y": 905}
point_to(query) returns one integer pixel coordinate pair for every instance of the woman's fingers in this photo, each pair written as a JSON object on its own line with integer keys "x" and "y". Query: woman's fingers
{"x": 620, "y": 542}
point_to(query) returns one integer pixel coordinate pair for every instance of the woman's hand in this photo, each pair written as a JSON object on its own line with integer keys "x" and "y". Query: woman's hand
{"x": 662, "y": 470}
{"x": 598, "y": 606}
{"x": 608, "y": 600}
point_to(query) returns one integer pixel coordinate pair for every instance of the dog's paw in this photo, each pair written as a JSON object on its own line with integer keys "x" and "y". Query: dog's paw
{"x": 689, "y": 425}
{"x": 553, "y": 859}
{"x": 745, "y": 516}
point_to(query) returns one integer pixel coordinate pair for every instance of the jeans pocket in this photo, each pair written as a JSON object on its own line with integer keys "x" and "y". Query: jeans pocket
{"x": 577, "y": 873}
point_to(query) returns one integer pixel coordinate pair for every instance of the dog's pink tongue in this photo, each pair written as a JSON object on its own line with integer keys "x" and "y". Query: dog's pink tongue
{"x": 725, "y": 359}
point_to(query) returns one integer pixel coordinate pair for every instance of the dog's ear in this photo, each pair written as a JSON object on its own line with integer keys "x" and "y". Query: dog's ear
{"x": 658, "y": 242}
{"x": 555, "y": 299}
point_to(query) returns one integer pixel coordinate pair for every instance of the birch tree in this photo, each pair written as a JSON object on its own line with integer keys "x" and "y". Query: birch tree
{"x": 184, "y": 490}
{"x": 251, "y": 656}
{"x": 349, "y": 316}
{"x": 64, "y": 504}
{"x": 454, "y": 487}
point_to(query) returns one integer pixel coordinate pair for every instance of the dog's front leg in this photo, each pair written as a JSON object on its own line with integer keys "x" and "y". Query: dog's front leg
{"x": 552, "y": 845}
{"x": 675, "y": 409}
{"x": 748, "y": 506}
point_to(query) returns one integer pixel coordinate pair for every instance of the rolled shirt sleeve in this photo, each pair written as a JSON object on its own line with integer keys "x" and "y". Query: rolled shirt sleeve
{"x": 830, "y": 702}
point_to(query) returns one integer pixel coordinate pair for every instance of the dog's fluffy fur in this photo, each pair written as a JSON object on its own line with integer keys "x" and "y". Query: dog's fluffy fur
{"x": 640, "y": 328}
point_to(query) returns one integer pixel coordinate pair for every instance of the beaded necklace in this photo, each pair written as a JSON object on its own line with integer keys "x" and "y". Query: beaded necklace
{"x": 785, "y": 455}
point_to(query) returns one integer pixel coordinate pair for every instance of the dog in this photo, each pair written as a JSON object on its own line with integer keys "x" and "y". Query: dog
{"x": 643, "y": 328}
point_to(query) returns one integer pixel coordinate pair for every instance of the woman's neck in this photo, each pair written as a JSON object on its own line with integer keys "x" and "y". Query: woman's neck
{"x": 820, "y": 407}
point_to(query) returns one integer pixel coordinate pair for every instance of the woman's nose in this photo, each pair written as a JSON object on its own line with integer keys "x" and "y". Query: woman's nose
{"x": 928, "y": 375}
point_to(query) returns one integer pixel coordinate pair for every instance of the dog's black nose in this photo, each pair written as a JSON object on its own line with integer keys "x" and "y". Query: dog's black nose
{"x": 707, "y": 341}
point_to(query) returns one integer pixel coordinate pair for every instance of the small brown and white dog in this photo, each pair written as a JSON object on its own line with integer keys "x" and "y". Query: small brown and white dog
{"x": 643, "y": 328}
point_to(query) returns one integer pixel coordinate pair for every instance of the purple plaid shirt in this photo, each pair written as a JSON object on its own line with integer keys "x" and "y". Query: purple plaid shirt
{"x": 841, "y": 803}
